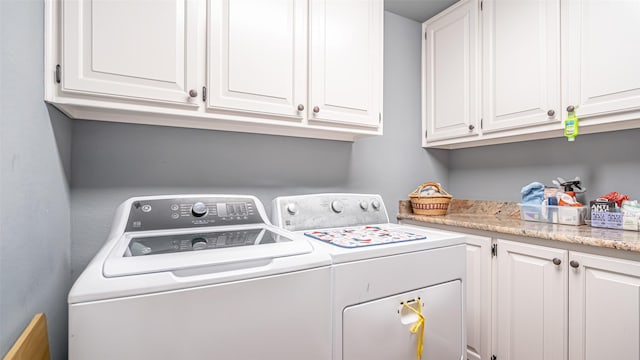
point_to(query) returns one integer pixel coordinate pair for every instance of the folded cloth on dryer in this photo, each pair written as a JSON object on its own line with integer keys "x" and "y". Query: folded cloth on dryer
{"x": 533, "y": 194}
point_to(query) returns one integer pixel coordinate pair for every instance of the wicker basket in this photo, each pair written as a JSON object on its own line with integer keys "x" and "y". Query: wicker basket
{"x": 430, "y": 205}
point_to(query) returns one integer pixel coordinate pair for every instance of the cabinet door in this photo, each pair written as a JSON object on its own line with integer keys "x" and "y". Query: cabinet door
{"x": 133, "y": 49}
{"x": 532, "y": 302}
{"x": 521, "y": 63}
{"x": 604, "y": 303}
{"x": 346, "y": 62}
{"x": 478, "y": 298}
{"x": 450, "y": 98}
{"x": 602, "y": 57}
{"x": 257, "y": 56}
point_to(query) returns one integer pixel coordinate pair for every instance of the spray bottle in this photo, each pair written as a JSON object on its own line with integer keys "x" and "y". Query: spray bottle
{"x": 571, "y": 124}
{"x": 570, "y": 189}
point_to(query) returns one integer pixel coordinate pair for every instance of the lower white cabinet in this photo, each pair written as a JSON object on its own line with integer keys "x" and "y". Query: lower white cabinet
{"x": 531, "y": 304}
{"x": 558, "y": 304}
{"x": 604, "y": 308}
{"x": 478, "y": 297}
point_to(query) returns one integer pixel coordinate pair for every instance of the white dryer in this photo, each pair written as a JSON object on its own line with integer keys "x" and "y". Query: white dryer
{"x": 398, "y": 290}
{"x": 201, "y": 277}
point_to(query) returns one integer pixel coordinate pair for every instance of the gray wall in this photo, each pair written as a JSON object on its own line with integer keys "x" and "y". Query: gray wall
{"x": 112, "y": 162}
{"x": 605, "y": 162}
{"x": 34, "y": 192}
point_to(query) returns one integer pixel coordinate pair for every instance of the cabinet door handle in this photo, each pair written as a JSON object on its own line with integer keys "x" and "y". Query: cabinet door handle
{"x": 193, "y": 93}
{"x": 574, "y": 264}
{"x": 551, "y": 112}
{"x": 571, "y": 108}
{"x": 471, "y": 127}
{"x": 556, "y": 261}
{"x": 316, "y": 109}
{"x": 300, "y": 107}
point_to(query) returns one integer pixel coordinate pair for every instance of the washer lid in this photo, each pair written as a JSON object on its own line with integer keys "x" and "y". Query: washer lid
{"x": 229, "y": 248}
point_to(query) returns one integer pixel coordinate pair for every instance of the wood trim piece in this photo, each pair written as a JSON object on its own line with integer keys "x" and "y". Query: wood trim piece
{"x": 33, "y": 343}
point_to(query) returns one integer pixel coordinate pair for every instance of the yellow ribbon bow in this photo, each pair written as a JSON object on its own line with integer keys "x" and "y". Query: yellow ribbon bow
{"x": 417, "y": 326}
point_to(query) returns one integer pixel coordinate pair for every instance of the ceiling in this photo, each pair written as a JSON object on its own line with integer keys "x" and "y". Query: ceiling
{"x": 418, "y": 10}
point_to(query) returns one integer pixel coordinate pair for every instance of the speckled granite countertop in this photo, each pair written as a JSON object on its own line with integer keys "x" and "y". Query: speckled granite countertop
{"x": 504, "y": 218}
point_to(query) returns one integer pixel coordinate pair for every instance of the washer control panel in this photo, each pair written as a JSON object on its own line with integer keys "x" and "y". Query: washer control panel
{"x": 319, "y": 211}
{"x": 160, "y": 214}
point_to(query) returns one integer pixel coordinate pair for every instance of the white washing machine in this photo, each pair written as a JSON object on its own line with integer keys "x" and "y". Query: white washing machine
{"x": 201, "y": 277}
{"x": 398, "y": 290}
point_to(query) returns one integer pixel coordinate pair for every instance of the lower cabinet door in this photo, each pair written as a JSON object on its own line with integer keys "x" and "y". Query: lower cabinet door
{"x": 478, "y": 297}
{"x": 604, "y": 303}
{"x": 532, "y": 302}
{"x": 380, "y": 329}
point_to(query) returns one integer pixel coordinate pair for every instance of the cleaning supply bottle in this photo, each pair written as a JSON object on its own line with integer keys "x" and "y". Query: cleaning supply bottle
{"x": 574, "y": 189}
{"x": 571, "y": 124}
{"x": 572, "y": 185}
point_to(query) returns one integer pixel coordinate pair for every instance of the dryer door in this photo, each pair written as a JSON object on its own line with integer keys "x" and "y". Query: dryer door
{"x": 380, "y": 329}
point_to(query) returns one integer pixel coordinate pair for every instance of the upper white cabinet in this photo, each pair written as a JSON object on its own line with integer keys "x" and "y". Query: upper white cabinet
{"x": 258, "y": 56}
{"x": 604, "y": 308}
{"x": 521, "y": 63}
{"x": 346, "y": 61}
{"x": 538, "y": 57}
{"x": 601, "y": 58}
{"x": 238, "y": 65}
{"x": 450, "y": 97}
{"x": 115, "y": 49}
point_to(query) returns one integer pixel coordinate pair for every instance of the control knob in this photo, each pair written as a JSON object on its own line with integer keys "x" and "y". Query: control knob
{"x": 364, "y": 205}
{"x": 375, "y": 204}
{"x": 337, "y": 206}
{"x": 292, "y": 208}
{"x": 199, "y": 209}
{"x": 199, "y": 243}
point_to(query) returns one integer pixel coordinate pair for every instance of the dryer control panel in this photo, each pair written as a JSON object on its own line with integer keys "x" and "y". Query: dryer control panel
{"x": 319, "y": 211}
{"x": 184, "y": 212}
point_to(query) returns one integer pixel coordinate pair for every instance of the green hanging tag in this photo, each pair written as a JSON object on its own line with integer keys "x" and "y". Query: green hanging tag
{"x": 571, "y": 124}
